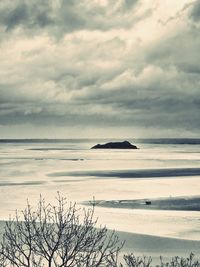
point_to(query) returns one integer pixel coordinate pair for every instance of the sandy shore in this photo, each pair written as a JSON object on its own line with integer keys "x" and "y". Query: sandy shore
{"x": 150, "y": 245}
{"x": 155, "y": 246}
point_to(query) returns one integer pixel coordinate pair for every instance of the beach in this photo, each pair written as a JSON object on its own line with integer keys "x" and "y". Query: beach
{"x": 121, "y": 182}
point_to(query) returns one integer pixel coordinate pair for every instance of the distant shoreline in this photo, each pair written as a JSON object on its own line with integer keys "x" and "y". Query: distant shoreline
{"x": 181, "y": 141}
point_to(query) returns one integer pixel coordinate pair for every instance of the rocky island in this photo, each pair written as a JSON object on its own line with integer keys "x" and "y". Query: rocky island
{"x": 115, "y": 145}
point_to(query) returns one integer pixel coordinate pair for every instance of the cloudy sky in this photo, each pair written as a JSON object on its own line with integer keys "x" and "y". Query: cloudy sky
{"x": 99, "y": 68}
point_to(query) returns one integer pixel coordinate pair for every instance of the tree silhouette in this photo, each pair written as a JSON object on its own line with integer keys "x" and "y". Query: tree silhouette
{"x": 57, "y": 236}
{"x": 61, "y": 236}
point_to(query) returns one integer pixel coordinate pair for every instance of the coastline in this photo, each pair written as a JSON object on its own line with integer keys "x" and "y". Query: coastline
{"x": 78, "y": 173}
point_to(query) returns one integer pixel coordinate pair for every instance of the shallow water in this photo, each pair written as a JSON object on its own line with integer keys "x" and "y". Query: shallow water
{"x": 160, "y": 168}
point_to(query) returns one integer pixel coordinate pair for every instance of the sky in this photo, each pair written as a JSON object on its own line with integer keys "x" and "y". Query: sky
{"x": 99, "y": 68}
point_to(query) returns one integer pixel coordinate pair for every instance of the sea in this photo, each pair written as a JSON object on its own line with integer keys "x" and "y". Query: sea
{"x": 158, "y": 169}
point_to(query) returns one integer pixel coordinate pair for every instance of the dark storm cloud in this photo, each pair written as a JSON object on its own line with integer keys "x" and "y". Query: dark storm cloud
{"x": 162, "y": 105}
{"x": 128, "y": 4}
{"x": 144, "y": 112}
{"x": 195, "y": 13}
{"x": 20, "y": 13}
{"x": 14, "y": 17}
{"x": 179, "y": 51}
{"x": 59, "y": 17}
{"x": 37, "y": 15}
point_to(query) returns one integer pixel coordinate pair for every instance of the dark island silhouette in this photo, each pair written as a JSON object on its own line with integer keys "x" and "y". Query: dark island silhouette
{"x": 115, "y": 145}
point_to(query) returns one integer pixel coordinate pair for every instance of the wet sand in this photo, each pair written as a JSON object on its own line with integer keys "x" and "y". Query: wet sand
{"x": 134, "y": 173}
{"x": 155, "y": 246}
{"x": 170, "y": 203}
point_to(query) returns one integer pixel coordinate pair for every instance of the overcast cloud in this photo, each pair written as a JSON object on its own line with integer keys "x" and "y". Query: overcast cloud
{"x": 99, "y": 68}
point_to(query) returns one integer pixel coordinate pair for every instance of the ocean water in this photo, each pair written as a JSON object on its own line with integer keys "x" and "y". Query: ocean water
{"x": 159, "y": 168}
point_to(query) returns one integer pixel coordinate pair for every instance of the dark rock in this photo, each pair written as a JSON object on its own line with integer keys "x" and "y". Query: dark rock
{"x": 115, "y": 145}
